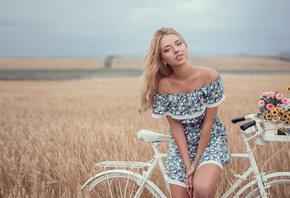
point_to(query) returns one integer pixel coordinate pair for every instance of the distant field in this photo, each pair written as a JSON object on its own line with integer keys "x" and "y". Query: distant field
{"x": 52, "y": 132}
{"x": 51, "y": 64}
{"x": 219, "y": 63}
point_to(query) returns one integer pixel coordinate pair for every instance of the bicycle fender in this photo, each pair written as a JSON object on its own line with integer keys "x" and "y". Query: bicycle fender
{"x": 125, "y": 172}
{"x": 268, "y": 176}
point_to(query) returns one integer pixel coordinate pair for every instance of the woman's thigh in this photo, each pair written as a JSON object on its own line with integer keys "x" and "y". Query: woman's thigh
{"x": 178, "y": 191}
{"x": 206, "y": 176}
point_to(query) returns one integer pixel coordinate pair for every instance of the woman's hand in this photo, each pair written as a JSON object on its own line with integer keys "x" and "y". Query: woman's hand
{"x": 189, "y": 186}
{"x": 192, "y": 170}
{"x": 189, "y": 180}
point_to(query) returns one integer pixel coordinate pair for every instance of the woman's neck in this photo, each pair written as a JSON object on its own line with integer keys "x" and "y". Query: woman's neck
{"x": 183, "y": 72}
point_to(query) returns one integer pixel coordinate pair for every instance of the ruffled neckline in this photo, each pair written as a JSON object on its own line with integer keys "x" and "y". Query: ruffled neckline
{"x": 190, "y": 92}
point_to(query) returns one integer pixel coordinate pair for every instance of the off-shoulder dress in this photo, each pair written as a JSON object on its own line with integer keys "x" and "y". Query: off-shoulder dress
{"x": 189, "y": 109}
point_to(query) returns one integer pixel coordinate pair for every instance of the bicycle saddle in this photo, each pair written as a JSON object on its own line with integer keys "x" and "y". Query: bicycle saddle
{"x": 152, "y": 137}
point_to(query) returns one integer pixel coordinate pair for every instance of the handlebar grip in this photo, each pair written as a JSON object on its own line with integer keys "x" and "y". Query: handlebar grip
{"x": 239, "y": 119}
{"x": 247, "y": 125}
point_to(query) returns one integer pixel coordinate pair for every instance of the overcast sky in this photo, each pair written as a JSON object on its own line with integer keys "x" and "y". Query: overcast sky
{"x": 94, "y": 28}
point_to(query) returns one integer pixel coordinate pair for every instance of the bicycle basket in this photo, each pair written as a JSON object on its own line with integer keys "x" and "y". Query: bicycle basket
{"x": 275, "y": 132}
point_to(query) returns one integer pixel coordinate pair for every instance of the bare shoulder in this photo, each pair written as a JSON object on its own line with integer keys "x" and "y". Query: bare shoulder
{"x": 162, "y": 85}
{"x": 209, "y": 75}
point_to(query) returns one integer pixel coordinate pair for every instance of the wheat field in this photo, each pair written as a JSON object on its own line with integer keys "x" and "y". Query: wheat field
{"x": 53, "y": 132}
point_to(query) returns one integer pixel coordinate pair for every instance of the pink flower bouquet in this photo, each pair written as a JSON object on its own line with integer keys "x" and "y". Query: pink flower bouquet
{"x": 275, "y": 107}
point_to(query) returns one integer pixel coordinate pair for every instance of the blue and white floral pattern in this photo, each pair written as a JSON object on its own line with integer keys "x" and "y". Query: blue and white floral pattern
{"x": 189, "y": 109}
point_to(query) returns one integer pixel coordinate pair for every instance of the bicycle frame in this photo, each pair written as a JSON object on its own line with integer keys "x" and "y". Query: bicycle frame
{"x": 158, "y": 160}
{"x": 260, "y": 177}
{"x": 155, "y": 139}
{"x": 249, "y": 154}
{"x": 253, "y": 169}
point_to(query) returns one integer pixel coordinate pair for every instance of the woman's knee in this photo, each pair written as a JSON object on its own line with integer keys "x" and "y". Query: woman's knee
{"x": 204, "y": 190}
{"x": 205, "y": 179}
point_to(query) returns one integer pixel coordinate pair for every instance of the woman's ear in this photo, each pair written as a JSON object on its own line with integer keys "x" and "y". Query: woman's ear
{"x": 163, "y": 62}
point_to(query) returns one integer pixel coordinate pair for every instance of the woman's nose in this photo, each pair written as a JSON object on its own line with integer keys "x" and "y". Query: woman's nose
{"x": 176, "y": 49}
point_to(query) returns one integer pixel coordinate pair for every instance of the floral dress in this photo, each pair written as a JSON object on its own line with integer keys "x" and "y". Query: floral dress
{"x": 189, "y": 109}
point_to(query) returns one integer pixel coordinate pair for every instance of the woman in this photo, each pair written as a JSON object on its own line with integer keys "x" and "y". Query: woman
{"x": 189, "y": 97}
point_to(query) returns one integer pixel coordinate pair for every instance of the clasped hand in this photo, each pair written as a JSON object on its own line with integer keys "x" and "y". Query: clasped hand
{"x": 189, "y": 180}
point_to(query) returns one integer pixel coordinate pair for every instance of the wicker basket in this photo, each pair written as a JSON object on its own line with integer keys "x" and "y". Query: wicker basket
{"x": 271, "y": 132}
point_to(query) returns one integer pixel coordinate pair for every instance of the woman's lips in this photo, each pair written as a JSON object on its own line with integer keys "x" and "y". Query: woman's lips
{"x": 179, "y": 57}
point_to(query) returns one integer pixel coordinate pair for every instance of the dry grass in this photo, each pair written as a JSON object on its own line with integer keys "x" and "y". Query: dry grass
{"x": 219, "y": 63}
{"x": 52, "y": 133}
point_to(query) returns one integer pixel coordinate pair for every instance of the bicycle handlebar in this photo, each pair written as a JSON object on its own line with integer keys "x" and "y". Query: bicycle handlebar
{"x": 247, "y": 125}
{"x": 239, "y": 119}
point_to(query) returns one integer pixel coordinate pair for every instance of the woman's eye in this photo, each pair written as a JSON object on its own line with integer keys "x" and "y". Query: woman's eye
{"x": 167, "y": 50}
{"x": 179, "y": 43}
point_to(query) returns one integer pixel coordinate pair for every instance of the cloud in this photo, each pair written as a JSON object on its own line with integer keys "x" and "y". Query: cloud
{"x": 94, "y": 27}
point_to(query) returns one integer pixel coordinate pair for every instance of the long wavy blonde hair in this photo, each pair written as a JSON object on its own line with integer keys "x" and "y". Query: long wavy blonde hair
{"x": 154, "y": 68}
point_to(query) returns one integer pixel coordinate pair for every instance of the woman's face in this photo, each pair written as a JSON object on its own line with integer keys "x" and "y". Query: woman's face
{"x": 173, "y": 50}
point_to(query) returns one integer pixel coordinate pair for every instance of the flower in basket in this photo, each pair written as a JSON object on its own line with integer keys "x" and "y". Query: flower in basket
{"x": 275, "y": 107}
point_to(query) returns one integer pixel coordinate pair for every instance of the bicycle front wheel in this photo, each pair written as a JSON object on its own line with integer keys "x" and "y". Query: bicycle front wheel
{"x": 278, "y": 188}
{"x": 122, "y": 184}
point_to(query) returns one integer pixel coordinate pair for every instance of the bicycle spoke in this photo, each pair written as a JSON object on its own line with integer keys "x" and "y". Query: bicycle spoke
{"x": 125, "y": 190}
{"x": 120, "y": 189}
{"x": 279, "y": 191}
{"x": 133, "y": 190}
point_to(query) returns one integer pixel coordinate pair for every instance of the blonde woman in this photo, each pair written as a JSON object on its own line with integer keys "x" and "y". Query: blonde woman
{"x": 188, "y": 96}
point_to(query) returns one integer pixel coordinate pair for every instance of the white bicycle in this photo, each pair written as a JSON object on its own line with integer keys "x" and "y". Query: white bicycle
{"x": 132, "y": 179}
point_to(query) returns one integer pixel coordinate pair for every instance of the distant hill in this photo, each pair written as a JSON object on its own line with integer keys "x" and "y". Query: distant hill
{"x": 218, "y": 63}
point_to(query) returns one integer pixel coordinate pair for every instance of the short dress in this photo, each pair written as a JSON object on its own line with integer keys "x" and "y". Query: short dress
{"x": 189, "y": 109}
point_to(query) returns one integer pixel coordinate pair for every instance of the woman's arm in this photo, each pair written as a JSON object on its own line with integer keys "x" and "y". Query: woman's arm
{"x": 178, "y": 134}
{"x": 205, "y": 136}
{"x": 210, "y": 75}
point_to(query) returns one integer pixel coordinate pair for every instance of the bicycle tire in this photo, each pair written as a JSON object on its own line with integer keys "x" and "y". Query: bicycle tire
{"x": 122, "y": 184}
{"x": 279, "y": 187}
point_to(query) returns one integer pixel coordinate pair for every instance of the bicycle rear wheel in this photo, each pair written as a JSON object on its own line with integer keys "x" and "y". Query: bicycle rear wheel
{"x": 121, "y": 184}
{"x": 278, "y": 188}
